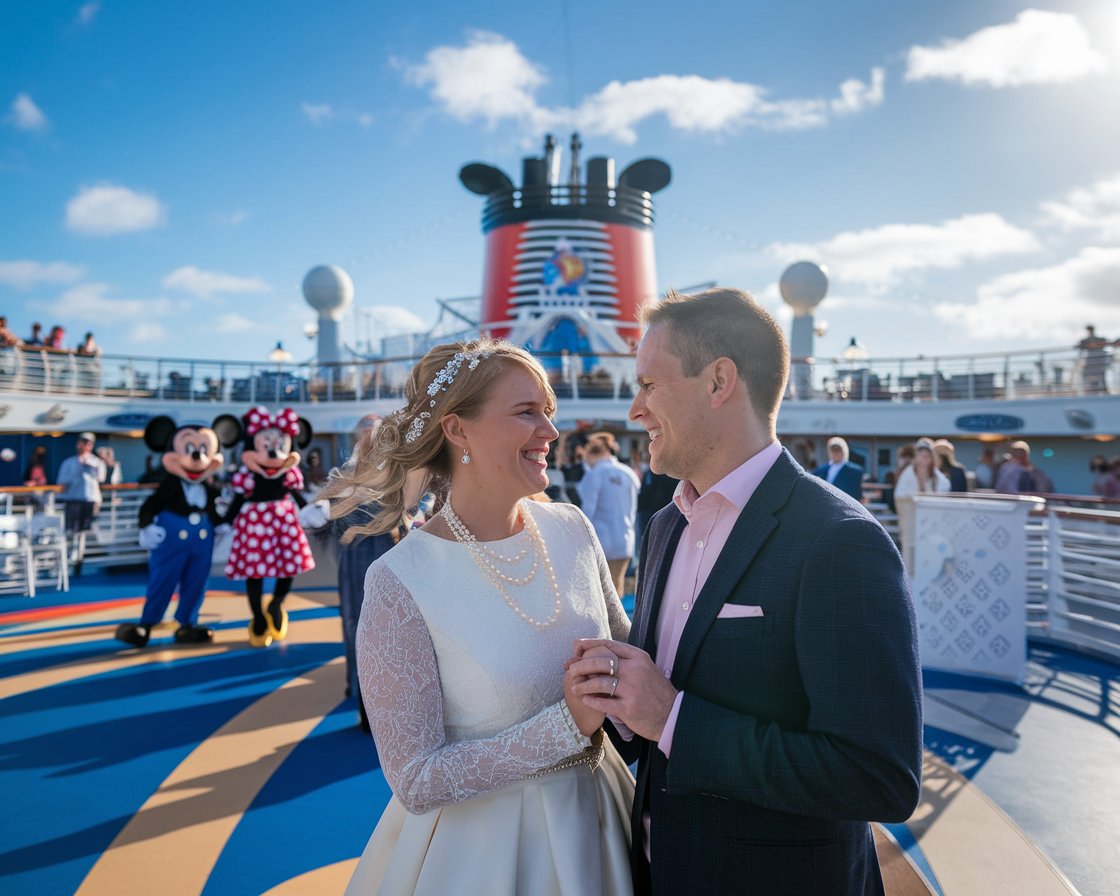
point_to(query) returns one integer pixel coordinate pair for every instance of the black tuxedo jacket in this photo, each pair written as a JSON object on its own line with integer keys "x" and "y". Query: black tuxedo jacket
{"x": 170, "y": 496}
{"x": 796, "y": 728}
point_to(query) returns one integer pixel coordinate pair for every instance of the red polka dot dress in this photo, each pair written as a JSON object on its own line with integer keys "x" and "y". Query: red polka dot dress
{"x": 268, "y": 541}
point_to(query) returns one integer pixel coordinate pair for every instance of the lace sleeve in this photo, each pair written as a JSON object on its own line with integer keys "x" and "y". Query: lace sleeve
{"x": 400, "y": 685}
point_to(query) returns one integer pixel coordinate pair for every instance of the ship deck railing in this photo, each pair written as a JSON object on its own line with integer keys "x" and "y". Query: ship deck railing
{"x": 1048, "y": 373}
{"x": 1072, "y": 556}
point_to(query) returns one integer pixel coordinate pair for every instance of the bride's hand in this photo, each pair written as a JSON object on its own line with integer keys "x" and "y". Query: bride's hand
{"x": 588, "y": 720}
{"x": 577, "y": 672}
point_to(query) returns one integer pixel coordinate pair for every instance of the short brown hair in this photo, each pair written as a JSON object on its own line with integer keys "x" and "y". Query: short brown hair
{"x": 727, "y": 323}
{"x": 604, "y": 440}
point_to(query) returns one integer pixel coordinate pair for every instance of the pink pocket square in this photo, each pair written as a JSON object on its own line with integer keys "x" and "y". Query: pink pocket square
{"x": 738, "y": 611}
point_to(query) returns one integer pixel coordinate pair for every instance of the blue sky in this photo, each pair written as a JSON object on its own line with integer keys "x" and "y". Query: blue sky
{"x": 169, "y": 172}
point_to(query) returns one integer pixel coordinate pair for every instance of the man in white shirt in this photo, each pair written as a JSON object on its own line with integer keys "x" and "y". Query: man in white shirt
{"x": 609, "y": 496}
{"x": 81, "y": 477}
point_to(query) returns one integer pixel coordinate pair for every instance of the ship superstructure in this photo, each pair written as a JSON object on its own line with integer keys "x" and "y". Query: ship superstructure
{"x": 569, "y": 263}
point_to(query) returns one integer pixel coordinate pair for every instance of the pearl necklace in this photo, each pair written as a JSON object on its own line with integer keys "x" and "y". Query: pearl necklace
{"x": 485, "y": 559}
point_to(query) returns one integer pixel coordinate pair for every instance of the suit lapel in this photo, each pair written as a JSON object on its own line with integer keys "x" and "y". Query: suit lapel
{"x": 752, "y": 528}
{"x": 662, "y": 547}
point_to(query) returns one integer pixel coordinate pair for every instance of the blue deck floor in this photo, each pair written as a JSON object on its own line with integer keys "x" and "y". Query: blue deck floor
{"x": 80, "y": 757}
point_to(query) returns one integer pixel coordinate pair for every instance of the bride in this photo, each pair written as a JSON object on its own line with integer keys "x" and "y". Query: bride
{"x": 502, "y": 780}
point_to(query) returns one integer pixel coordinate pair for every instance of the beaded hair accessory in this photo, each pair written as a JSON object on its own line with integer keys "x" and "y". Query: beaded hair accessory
{"x": 443, "y": 379}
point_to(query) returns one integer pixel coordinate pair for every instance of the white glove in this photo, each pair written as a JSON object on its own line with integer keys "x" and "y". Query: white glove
{"x": 222, "y": 529}
{"x": 152, "y": 536}
{"x": 315, "y": 516}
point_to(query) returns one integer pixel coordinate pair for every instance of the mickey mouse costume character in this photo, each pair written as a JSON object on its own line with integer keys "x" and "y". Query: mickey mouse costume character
{"x": 177, "y": 525}
{"x": 268, "y": 541}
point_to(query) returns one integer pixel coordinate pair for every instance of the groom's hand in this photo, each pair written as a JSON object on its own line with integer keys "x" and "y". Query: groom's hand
{"x": 643, "y": 696}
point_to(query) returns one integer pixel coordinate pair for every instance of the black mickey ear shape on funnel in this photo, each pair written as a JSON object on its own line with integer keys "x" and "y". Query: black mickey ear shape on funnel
{"x": 484, "y": 179}
{"x": 227, "y": 428}
{"x": 158, "y": 432}
{"x": 650, "y": 175}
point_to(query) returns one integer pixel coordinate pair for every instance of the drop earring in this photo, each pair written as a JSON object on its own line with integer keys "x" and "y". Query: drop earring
{"x": 466, "y": 456}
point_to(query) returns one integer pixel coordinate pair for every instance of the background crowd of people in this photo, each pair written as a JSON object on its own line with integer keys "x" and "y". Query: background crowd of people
{"x": 54, "y": 340}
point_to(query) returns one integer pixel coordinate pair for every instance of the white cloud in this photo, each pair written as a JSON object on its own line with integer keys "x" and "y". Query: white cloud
{"x": 147, "y": 332}
{"x": 88, "y": 301}
{"x": 206, "y": 284}
{"x": 88, "y": 12}
{"x": 320, "y": 114}
{"x": 878, "y": 257}
{"x": 234, "y": 323}
{"x": 381, "y": 321}
{"x": 105, "y": 209}
{"x": 690, "y": 103}
{"x": 26, "y": 116}
{"x": 1095, "y": 208}
{"x": 26, "y": 274}
{"x": 855, "y": 96}
{"x": 1053, "y": 303}
{"x": 489, "y": 80}
{"x": 317, "y": 113}
{"x": 1039, "y": 47}
{"x": 233, "y": 219}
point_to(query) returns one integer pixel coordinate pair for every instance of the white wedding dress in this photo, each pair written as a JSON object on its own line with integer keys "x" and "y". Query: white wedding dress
{"x": 466, "y": 701}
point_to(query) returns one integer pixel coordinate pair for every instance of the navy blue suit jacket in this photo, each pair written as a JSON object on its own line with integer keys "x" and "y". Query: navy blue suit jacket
{"x": 849, "y": 478}
{"x": 796, "y": 728}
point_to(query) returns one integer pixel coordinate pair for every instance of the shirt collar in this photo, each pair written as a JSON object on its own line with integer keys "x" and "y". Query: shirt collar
{"x": 736, "y": 488}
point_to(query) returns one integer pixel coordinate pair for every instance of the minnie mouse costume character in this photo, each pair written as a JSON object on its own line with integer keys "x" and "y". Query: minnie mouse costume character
{"x": 177, "y": 525}
{"x": 268, "y": 541}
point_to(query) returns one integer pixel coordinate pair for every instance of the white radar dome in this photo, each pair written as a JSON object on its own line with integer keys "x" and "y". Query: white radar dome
{"x": 803, "y": 285}
{"x": 329, "y": 290}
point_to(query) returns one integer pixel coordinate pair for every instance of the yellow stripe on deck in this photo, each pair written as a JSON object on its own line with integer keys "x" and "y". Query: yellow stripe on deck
{"x": 972, "y": 846}
{"x": 173, "y": 842}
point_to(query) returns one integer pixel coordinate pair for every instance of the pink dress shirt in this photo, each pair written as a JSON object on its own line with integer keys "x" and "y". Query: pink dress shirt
{"x": 710, "y": 518}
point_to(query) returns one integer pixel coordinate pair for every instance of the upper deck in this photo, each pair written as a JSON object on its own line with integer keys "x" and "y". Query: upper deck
{"x": 1049, "y": 392}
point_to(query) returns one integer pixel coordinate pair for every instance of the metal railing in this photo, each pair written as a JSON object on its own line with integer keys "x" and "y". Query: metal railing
{"x": 1010, "y": 375}
{"x": 1083, "y": 607}
{"x": 1073, "y": 559}
{"x": 596, "y": 201}
{"x": 1073, "y": 568}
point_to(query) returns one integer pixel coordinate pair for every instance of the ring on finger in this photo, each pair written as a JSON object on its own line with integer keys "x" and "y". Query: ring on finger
{"x": 614, "y": 684}
{"x": 611, "y": 672}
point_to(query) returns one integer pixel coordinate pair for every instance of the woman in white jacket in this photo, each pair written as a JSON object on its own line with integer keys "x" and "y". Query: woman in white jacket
{"x": 920, "y": 477}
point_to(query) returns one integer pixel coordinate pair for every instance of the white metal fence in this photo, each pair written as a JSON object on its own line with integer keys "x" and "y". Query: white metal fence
{"x": 1083, "y": 581}
{"x": 1010, "y": 375}
{"x": 1072, "y": 572}
{"x": 1072, "y": 558}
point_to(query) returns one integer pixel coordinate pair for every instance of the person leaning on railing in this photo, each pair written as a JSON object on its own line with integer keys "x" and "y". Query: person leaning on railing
{"x": 8, "y": 339}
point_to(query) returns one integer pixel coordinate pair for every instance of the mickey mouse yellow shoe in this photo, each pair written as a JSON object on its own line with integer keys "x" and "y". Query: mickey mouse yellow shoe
{"x": 278, "y": 634}
{"x": 261, "y": 640}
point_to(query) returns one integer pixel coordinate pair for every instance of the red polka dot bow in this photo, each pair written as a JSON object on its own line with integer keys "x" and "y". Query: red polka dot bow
{"x": 259, "y": 418}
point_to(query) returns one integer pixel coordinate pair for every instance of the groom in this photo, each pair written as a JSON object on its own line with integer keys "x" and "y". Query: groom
{"x": 770, "y": 690}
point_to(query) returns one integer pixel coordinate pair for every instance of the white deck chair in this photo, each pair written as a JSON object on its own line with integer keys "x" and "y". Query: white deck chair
{"x": 49, "y": 550}
{"x": 17, "y": 574}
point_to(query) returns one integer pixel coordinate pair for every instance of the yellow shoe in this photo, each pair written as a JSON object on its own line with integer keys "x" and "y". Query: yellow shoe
{"x": 262, "y": 640}
{"x": 281, "y": 633}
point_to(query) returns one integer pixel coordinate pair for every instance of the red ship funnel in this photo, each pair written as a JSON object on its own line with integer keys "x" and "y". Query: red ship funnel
{"x": 580, "y": 249}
